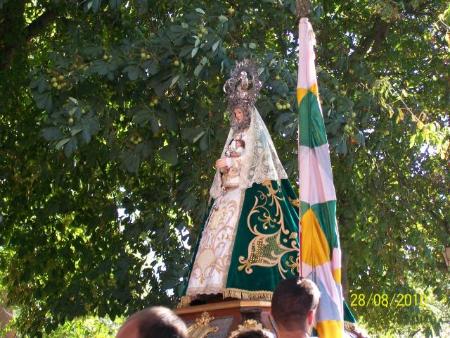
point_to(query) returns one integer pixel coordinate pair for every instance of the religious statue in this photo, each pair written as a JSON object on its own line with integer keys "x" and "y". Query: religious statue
{"x": 249, "y": 241}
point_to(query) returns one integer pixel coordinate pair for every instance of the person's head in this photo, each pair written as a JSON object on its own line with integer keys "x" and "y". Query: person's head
{"x": 253, "y": 333}
{"x": 238, "y": 114}
{"x": 154, "y": 322}
{"x": 240, "y": 118}
{"x": 240, "y": 143}
{"x": 294, "y": 303}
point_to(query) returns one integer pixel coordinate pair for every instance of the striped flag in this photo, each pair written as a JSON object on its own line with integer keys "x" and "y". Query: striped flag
{"x": 320, "y": 250}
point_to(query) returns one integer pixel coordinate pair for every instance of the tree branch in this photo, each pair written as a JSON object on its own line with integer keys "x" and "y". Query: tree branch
{"x": 373, "y": 39}
{"x": 303, "y": 8}
{"x": 32, "y": 30}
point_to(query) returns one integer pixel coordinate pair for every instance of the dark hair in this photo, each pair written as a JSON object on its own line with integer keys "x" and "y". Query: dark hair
{"x": 291, "y": 302}
{"x": 254, "y": 333}
{"x": 159, "y": 322}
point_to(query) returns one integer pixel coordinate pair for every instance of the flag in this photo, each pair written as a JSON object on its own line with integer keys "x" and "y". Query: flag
{"x": 320, "y": 256}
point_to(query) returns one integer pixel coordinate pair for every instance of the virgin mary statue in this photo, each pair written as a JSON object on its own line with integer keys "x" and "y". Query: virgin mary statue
{"x": 249, "y": 241}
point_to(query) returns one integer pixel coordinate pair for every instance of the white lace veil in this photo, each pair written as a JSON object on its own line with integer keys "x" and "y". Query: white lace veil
{"x": 261, "y": 164}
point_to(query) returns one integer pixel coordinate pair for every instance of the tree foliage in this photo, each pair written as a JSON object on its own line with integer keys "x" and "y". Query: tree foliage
{"x": 113, "y": 115}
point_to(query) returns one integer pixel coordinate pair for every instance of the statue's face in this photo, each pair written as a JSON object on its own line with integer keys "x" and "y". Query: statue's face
{"x": 238, "y": 114}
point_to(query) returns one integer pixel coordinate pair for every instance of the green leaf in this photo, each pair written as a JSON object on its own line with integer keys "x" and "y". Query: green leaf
{"x": 174, "y": 80}
{"x": 223, "y": 18}
{"x": 151, "y": 67}
{"x": 194, "y": 52}
{"x": 161, "y": 87}
{"x": 142, "y": 116}
{"x": 42, "y": 84}
{"x": 360, "y": 138}
{"x": 412, "y": 140}
{"x": 73, "y": 100}
{"x": 169, "y": 154}
{"x": 341, "y": 148}
{"x": 132, "y": 72}
{"x": 154, "y": 125}
{"x": 131, "y": 161}
{"x": 198, "y": 69}
{"x": 169, "y": 119}
{"x": 44, "y": 101}
{"x": 91, "y": 124}
{"x": 196, "y": 138}
{"x": 215, "y": 45}
{"x": 114, "y": 3}
{"x": 86, "y": 136}
{"x": 192, "y": 134}
{"x": 197, "y": 41}
{"x": 200, "y": 66}
{"x": 70, "y": 146}
{"x": 199, "y": 10}
{"x": 280, "y": 87}
{"x": 61, "y": 143}
{"x": 75, "y": 130}
{"x": 100, "y": 67}
{"x": 203, "y": 143}
{"x": 94, "y": 5}
{"x": 52, "y": 133}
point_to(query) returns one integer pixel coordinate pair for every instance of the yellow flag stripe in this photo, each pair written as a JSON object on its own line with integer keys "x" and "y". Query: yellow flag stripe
{"x": 315, "y": 249}
{"x": 337, "y": 275}
{"x": 330, "y": 329}
{"x": 301, "y": 92}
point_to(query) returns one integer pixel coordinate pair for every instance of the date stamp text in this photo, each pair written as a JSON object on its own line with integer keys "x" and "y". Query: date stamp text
{"x": 386, "y": 300}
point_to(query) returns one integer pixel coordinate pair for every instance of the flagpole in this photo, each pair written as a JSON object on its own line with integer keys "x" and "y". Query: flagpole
{"x": 320, "y": 252}
{"x": 303, "y": 11}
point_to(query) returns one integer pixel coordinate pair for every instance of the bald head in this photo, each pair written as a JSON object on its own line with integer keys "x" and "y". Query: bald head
{"x": 154, "y": 322}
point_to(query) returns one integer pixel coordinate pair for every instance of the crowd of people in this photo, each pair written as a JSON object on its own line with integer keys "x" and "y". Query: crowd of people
{"x": 293, "y": 308}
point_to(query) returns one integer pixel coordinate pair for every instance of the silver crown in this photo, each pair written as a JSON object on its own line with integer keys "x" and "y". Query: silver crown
{"x": 243, "y": 86}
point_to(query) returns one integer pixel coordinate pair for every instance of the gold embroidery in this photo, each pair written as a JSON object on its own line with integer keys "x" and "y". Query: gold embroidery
{"x": 268, "y": 249}
{"x": 234, "y": 293}
{"x": 212, "y": 262}
{"x": 295, "y": 202}
{"x": 211, "y": 257}
{"x": 202, "y": 328}
{"x": 248, "y": 325}
{"x": 246, "y": 294}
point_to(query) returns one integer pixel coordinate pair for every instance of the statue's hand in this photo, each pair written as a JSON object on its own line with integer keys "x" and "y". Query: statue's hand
{"x": 221, "y": 164}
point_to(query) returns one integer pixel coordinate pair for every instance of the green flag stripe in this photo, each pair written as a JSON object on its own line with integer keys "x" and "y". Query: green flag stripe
{"x": 311, "y": 125}
{"x": 326, "y": 215}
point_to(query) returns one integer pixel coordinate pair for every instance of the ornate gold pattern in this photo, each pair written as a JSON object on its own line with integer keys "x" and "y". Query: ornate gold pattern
{"x": 246, "y": 294}
{"x": 249, "y": 324}
{"x": 233, "y": 293}
{"x": 210, "y": 257}
{"x": 295, "y": 202}
{"x": 201, "y": 328}
{"x": 212, "y": 262}
{"x": 274, "y": 240}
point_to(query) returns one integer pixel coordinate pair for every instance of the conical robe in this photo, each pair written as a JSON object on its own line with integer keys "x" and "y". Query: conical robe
{"x": 249, "y": 241}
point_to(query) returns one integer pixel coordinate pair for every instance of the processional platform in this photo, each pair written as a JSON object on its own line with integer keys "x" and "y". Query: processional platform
{"x": 220, "y": 319}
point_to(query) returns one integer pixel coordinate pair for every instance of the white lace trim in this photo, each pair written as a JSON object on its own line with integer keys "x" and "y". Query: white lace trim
{"x": 261, "y": 159}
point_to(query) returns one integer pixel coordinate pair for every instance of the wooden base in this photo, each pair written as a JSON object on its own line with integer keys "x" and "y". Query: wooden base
{"x": 219, "y": 320}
